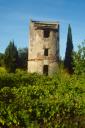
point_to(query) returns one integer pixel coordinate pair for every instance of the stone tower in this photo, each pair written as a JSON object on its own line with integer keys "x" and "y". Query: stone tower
{"x": 43, "y": 55}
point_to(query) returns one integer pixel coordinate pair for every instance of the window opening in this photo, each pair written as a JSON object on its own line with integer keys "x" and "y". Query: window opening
{"x": 46, "y": 33}
{"x": 46, "y": 52}
{"x": 45, "y": 70}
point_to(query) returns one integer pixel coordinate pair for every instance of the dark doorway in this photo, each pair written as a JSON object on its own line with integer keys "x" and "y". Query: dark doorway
{"x": 45, "y": 70}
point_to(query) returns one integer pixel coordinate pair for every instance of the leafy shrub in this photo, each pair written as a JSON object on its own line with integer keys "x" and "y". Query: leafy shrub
{"x": 32, "y": 100}
{"x": 79, "y": 59}
{"x": 2, "y": 70}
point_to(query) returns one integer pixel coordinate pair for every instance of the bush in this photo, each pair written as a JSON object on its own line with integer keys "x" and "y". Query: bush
{"x": 32, "y": 100}
{"x": 2, "y": 70}
{"x": 79, "y": 59}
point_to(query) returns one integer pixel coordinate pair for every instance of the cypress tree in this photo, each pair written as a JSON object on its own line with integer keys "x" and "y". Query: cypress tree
{"x": 23, "y": 57}
{"x": 11, "y": 57}
{"x": 69, "y": 50}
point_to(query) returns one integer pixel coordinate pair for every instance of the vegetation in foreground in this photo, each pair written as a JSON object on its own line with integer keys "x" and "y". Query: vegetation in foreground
{"x": 36, "y": 101}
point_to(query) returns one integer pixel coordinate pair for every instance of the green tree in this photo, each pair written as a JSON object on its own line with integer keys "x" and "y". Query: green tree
{"x": 23, "y": 57}
{"x": 79, "y": 59}
{"x": 11, "y": 57}
{"x": 69, "y": 50}
{"x": 1, "y": 59}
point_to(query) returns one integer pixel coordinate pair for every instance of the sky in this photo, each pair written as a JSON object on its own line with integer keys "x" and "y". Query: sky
{"x": 15, "y": 17}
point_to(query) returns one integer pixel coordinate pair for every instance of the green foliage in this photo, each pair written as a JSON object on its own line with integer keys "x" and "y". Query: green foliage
{"x": 69, "y": 50}
{"x": 11, "y": 57}
{"x": 23, "y": 57}
{"x": 2, "y": 70}
{"x": 36, "y": 101}
{"x": 1, "y": 59}
{"x": 79, "y": 59}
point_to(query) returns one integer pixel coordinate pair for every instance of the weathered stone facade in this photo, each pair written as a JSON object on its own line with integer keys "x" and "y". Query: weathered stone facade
{"x": 43, "y": 55}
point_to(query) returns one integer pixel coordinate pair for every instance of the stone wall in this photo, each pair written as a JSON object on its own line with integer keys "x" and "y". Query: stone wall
{"x": 38, "y": 43}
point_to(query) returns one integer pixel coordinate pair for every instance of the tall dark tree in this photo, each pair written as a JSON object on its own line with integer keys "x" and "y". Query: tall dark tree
{"x": 2, "y": 59}
{"x": 11, "y": 57}
{"x": 23, "y": 57}
{"x": 68, "y": 62}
